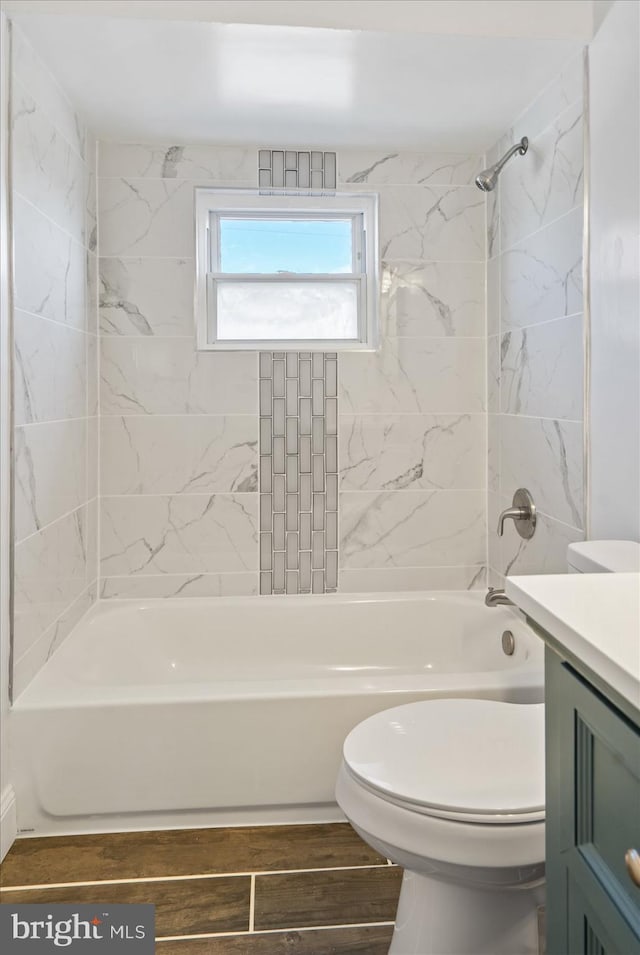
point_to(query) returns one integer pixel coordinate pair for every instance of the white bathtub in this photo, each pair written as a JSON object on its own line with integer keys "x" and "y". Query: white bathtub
{"x": 234, "y": 710}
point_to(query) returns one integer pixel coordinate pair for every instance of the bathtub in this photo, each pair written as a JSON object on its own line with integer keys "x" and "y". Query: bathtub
{"x": 223, "y": 711}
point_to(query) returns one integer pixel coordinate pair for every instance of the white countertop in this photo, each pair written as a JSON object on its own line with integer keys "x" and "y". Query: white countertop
{"x": 596, "y": 617}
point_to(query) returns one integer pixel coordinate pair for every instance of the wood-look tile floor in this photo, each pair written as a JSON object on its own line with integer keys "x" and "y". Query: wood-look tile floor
{"x": 266, "y": 890}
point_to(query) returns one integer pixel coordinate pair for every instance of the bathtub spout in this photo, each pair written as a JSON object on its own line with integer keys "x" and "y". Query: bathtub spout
{"x": 495, "y": 598}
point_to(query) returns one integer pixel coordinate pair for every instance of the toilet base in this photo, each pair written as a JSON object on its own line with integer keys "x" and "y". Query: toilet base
{"x": 444, "y": 918}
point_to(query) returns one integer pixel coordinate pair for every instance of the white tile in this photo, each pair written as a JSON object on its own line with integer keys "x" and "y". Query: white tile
{"x": 541, "y": 372}
{"x": 279, "y": 495}
{"x": 266, "y": 364}
{"x": 266, "y": 512}
{"x": 27, "y": 666}
{"x": 493, "y": 374}
{"x": 93, "y": 370}
{"x": 266, "y": 396}
{"x": 179, "y": 454}
{"x": 412, "y": 528}
{"x": 91, "y": 194}
{"x": 188, "y": 534}
{"x": 180, "y": 585}
{"x": 544, "y": 553}
{"x": 279, "y": 576}
{"x": 563, "y": 91}
{"x": 50, "y": 370}
{"x": 331, "y": 573}
{"x": 395, "y": 452}
{"x": 221, "y": 164}
{"x": 45, "y": 169}
{"x": 93, "y": 459}
{"x": 493, "y": 296}
{"x": 493, "y": 451}
{"x": 266, "y": 551}
{"x": 432, "y": 223}
{"x": 545, "y": 184}
{"x": 50, "y": 473}
{"x": 493, "y": 541}
{"x": 331, "y": 377}
{"x": 406, "y": 168}
{"x": 444, "y": 375}
{"x": 394, "y": 579}
{"x": 493, "y": 221}
{"x": 545, "y": 456}
{"x": 147, "y": 297}
{"x": 35, "y": 77}
{"x": 154, "y": 376}
{"x": 50, "y": 573}
{"x": 541, "y": 277}
{"x": 49, "y": 268}
{"x": 146, "y": 217}
{"x": 91, "y": 320}
{"x": 434, "y": 299}
{"x": 91, "y": 540}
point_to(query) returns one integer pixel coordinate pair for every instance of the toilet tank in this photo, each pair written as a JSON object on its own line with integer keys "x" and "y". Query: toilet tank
{"x": 602, "y": 557}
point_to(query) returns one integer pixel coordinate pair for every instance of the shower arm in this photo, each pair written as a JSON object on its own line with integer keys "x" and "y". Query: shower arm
{"x": 520, "y": 147}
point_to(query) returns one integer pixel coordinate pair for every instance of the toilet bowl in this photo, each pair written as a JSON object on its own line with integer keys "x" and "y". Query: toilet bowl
{"x": 453, "y": 791}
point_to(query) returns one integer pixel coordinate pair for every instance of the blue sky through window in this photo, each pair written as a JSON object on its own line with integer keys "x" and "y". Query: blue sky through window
{"x": 283, "y": 245}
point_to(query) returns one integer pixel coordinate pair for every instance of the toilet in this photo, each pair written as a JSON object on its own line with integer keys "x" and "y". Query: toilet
{"x": 452, "y": 790}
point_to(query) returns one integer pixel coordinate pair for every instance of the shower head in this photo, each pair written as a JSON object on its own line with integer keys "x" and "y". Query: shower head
{"x": 487, "y": 179}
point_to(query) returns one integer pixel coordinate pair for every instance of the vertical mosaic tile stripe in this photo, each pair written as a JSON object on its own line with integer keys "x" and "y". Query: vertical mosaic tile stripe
{"x": 296, "y": 169}
{"x": 298, "y": 472}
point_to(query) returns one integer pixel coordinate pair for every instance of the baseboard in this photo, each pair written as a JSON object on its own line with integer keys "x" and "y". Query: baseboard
{"x": 8, "y": 820}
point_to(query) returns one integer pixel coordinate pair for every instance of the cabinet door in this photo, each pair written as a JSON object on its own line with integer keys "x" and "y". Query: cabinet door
{"x": 593, "y": 817}
{"x": 594, "y": 924}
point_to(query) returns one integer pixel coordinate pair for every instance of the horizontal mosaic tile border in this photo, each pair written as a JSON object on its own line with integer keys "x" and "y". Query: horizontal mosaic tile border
{"x": 296, "y": 169}
{"x": 298, "y": 472}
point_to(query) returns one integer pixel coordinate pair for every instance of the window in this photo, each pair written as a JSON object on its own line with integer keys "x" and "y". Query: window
{"x": 286, "y": 271}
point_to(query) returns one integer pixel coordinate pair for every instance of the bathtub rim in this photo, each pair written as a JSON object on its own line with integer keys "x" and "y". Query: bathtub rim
{"x": 41, "y": 693}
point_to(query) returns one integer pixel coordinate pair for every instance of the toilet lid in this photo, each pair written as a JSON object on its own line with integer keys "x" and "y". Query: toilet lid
{"x": 474, "y": 758}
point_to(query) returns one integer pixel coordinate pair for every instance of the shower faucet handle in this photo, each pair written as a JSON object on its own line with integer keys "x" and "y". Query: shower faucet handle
{"x": 522, "y": 513}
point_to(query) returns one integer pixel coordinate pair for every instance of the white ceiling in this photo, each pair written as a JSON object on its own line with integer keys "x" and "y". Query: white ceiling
{"x": 171, "y": 81}
{"x": 509, "y": 18}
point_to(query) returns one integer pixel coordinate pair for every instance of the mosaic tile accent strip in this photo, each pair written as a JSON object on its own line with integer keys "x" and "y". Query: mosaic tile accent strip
{"x": 298, "y": 472}
{"x": 295, "y": 169}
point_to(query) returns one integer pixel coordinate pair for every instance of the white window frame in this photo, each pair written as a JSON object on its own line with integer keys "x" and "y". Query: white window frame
{"x": 211, "y": 203}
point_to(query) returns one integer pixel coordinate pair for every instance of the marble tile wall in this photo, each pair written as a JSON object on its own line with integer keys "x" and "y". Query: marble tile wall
{"x": 535, "y": 331}
{"x": 55, "y": 371}
{"x": 179, "y": 429}
{"x": 412, "y": 416}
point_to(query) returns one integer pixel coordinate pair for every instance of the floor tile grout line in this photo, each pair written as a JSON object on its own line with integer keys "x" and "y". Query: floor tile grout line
{"x": 252, "y": 903}
{"x": 274, "y": 931}
{"x": 186, "y": 878}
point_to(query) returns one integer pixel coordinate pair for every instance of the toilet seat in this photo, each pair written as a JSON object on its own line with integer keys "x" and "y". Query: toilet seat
{"x": 474, "y": 761}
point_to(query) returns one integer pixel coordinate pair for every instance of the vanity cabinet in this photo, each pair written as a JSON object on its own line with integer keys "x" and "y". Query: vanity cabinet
{"x": 592, "y": 812}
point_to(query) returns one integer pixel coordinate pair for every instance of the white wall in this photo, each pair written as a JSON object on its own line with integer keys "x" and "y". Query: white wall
{"x": 614, "y": 182}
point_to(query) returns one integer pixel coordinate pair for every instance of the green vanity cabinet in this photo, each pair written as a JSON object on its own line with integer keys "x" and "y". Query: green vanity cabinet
{"x": 592, "y": 813}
